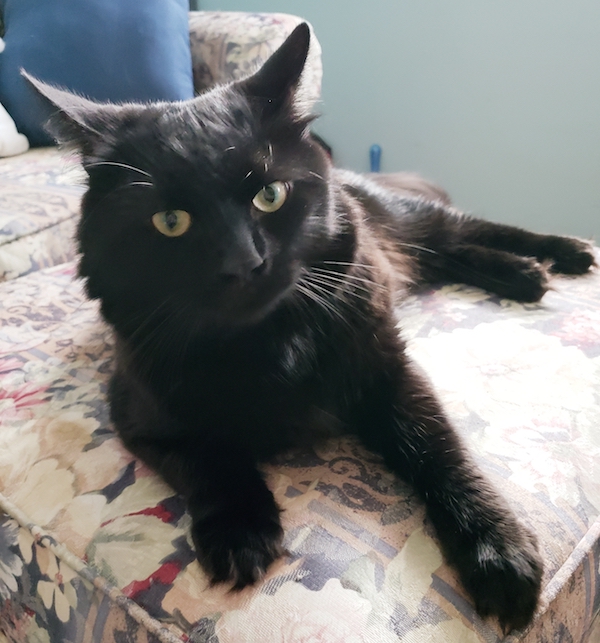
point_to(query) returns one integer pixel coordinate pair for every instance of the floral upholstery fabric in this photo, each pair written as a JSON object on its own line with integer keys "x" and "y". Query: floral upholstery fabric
{"x": 40, "y": 191}
{"x": 94, "y": 547}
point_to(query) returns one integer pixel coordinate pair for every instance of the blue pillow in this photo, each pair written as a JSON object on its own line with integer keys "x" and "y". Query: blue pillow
{"x": 107, "y": 50}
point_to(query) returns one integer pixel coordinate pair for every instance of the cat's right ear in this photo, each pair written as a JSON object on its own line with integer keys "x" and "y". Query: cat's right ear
{"x": 73, "y": 120}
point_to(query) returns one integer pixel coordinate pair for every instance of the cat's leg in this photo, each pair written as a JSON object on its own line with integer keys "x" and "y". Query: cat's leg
{"x": 496, "y": 556}
{"x": 565, "y": 255}
{"x": 506, "y": 274}
{"x": 447, "y": 245}
{"x": 514, "y": 263}
{"x": 235, "y": 521}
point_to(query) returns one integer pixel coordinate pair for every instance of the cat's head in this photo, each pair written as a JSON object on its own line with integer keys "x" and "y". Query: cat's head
{"x": 205, "y": 210}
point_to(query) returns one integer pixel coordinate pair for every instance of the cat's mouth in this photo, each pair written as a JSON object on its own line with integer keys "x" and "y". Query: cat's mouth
{"x": 240, "y": 302}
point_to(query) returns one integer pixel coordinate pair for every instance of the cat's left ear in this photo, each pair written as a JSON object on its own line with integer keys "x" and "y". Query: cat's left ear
{"x": 275, "y": 84}
{"x": 73, "y": 119}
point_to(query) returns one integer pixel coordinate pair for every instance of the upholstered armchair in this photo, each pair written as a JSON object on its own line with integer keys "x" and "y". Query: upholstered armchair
{"x": 95, "y": 548}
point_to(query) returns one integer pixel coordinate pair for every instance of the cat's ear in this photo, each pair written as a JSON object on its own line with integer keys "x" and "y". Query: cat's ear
{"x": 276, "y": 82}
{"x": 73, "y": 119}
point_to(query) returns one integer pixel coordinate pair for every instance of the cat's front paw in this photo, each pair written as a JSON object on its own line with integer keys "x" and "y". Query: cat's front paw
{"x": 236, "y": 545}
{"x": 504, "y": 578}
{"x": 528, "y": 283}
{"x": 570, "y": 256}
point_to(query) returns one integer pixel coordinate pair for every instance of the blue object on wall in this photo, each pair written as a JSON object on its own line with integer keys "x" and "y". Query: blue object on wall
{"x": 107, "y": 50}
{"x": 375, "y": 155}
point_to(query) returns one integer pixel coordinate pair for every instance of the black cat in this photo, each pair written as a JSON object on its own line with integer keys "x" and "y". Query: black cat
{"x": 251, "y": 290}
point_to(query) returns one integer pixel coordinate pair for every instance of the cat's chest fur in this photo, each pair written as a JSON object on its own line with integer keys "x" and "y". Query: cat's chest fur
{"x": 270, "y": 390}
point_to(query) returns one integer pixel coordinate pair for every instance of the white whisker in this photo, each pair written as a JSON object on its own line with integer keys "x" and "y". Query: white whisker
{"x": 140, "y": 183}
{"x": 320, "y": 296}
{"x": 339, "y": 281}
{"x": 115, "y": 164}
{"x": 417, "y": 247}
{"x": 348, "y": 263}
{"x": 341, "y": 288}
{"x": 344, "y": 276}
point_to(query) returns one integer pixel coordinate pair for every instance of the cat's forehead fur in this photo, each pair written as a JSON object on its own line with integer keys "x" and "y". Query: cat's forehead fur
{"x": 217, "y": 133}
{"x": 219, "y": 140}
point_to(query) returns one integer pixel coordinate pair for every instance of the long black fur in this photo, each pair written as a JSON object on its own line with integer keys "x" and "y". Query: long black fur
{"x": 256, "y": 332}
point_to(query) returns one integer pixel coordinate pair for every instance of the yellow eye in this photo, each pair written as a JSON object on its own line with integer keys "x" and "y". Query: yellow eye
{"x": 271, "y": 197}
{"x": 172, "y": 223}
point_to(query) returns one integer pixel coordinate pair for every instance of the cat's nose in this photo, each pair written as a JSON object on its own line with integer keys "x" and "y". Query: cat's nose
{"x": 242, "y": 262}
